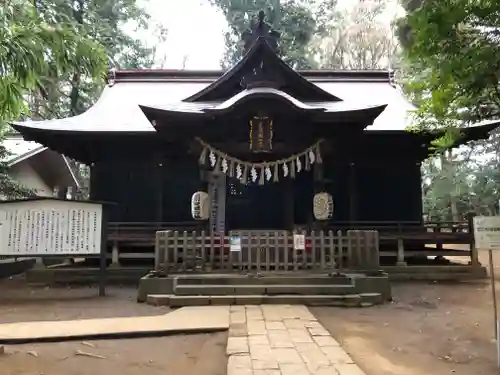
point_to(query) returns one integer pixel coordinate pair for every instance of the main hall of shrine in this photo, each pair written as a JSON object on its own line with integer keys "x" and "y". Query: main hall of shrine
{"x": 260, "y": 146}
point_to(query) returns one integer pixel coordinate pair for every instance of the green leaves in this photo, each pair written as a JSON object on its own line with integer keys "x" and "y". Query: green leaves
{"x": 31, "y": 48}
{"x": 451, "y": 72}
{"x": 293, "y": 19}
{"x": 452, "y": 43}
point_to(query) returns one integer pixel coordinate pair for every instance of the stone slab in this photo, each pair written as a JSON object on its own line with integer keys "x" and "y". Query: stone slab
{"x": 248, "y": 300}
{"x": 348, "y": 300}
{"x": 181, "y": 301}
{"x": 252, "y": 290}
{"x": 336, "y": 355}
{"x": 204, "y": 290}
{"x": 238, "y": 330}
{"x": 237, "y": 345}
{"x": 274, "y": 325}
{"x": 294, "y": 369}
{"x": 349, "y": 369}
{"x": 310, "y": 289}
{"x": 184, "y": 320}
{"x": 158, "y": 299}
{"x": 281, "y": 299}
{"x": 221, "y": 300}
{"x": 283, "y": 339}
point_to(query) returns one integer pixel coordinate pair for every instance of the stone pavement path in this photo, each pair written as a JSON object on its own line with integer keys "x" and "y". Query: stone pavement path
{"x": 283, "y": 340}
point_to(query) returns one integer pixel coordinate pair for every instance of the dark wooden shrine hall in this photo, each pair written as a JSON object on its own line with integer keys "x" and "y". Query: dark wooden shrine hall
{"x": 144, "y": 137}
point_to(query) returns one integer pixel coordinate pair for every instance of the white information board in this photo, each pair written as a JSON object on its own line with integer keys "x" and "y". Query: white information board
{"x": 235, "y": 243}
{"x": 50, "y": 227}
{"x": 299, "y": 241}
{"x": 487, "y": 232}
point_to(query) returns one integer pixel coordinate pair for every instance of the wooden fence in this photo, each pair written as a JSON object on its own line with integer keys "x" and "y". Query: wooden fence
{"x": 325, "y": 251}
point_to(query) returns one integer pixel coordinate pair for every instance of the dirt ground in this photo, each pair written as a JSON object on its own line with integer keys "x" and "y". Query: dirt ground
{"x": 180, "y": 354}
{"x": 430, "y": 328}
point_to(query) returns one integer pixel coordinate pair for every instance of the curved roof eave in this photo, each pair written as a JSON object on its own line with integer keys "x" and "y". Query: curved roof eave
{"x": 210, "y": 109}
{"x": 477, "y": 132}
{"x": 114, "y": 113}
{"x": 260, "y": 46}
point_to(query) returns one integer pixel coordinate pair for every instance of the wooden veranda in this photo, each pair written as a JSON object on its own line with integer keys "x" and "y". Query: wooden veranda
{"x": 398, "y": 240}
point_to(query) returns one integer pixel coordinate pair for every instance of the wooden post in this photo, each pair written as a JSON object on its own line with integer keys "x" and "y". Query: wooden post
{"x": 115, "y": 255}
{"x": 38, "y": 263}
{"x": 318, "y": 173}
{"x": 437, "y": 230}
{"x": 352, "y": 193}
{"x": 401, "y": 253}
{"x": 474, "y": 257}
{"x": 289, "y": 204}
{"x": 159, "y": 183}
{"x": 103, "y": 273}
{"x": 401, "y": 248}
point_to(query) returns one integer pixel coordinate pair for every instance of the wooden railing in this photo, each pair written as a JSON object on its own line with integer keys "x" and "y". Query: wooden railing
{"x": 400, "y": 240}
{"x": 408, "y": 239}
{"x": 326, "y": 251}
{"x": 145, "y": 232}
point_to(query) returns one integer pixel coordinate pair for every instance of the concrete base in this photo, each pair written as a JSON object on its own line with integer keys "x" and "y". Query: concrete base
{"x": 78, "y": 274}
{"x": 451, "y": 272}
{"x": 350, "y": 300}
{"x": 11, "y": 267}
{"x": 354, "y": 290}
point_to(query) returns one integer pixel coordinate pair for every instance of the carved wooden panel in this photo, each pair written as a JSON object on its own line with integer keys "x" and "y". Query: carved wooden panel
{"x": 50, "y": 227}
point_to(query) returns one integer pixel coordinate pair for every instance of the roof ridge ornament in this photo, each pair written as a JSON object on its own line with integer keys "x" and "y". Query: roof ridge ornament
{"x": 261, "y": 75}
{"x": 260, "y": 29}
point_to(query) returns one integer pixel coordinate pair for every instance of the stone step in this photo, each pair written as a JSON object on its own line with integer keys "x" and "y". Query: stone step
{"x": 207, "y": 290}
{"x": 348, "y": 300}
{"x": 433, "y": 276}
{"x": 287, "y": 279}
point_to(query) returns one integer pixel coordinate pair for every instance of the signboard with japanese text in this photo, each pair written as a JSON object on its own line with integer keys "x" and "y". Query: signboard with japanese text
{"x": 487, "y": 232}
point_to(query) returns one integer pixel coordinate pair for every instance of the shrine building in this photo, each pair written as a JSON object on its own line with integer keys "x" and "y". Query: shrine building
{"x": 260, "y": 146}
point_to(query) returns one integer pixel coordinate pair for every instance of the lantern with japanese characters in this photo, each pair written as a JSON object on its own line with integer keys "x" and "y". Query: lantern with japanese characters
{"x": 200, "y": 205}
{"x": 323, "y": 206}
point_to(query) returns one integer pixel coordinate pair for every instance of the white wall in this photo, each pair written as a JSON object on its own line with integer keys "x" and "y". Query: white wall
{"x": 26, "y": 175}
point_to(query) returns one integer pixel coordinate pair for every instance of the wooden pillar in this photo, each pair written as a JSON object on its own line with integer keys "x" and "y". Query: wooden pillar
{"x": 115, "y": 255}
{"x": 474, "y": 256}
{"x": 318, "y": 173}
{"x": 353, "y": 192}
{"x": 159, "y": 165}
{"x": 289, "y": 210}
{"x": 204, "y": 186}
{"x": 401, "y": 253}
{"x": 318, "y": 181}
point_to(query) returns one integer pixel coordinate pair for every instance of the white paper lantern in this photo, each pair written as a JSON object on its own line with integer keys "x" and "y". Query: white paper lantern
{"x": 323, "y": 206}
{"x": 200, "y": 205}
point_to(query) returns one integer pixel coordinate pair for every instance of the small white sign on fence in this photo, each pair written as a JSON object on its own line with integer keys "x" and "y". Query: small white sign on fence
{"x": 299, "y": 241}
{"x": 487, "y": 232}
{"x": 235, "y": 243}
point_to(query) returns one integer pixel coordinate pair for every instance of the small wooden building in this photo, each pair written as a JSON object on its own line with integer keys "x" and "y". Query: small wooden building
{"x": 261, "y": 138}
